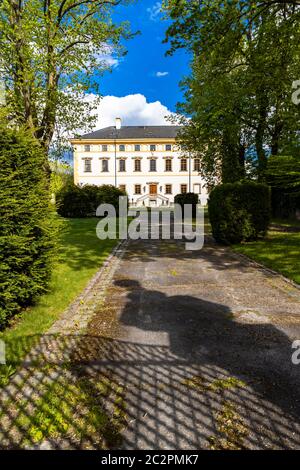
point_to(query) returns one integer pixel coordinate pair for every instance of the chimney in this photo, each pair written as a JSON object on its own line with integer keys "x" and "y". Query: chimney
{"x": 118, "y": 123}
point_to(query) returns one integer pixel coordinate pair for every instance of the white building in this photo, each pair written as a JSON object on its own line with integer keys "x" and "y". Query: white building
{"x": 145, "y": 161}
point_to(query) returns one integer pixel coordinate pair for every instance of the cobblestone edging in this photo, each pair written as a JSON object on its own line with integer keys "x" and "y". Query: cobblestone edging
{"x": 264, "y": 268}
{"x": 76, "y": 317}
{"x": 255, "y": 264}
{"x": 73, "y": 321}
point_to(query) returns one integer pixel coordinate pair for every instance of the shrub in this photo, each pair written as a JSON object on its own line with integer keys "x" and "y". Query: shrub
{"x": 27, "y": 223}
{"x": 187, "y": 198}
{"x": 75, "y": 201}
{"x": 239, "y": 211}
{"x": 72, "y": 202}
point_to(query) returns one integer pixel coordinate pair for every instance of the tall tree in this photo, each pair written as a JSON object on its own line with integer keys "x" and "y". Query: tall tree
{"x": 244, "y": 60}
{"x": 51, "y": 53}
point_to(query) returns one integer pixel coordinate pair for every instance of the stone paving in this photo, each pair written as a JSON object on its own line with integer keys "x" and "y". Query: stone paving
{"x": 180, "y": 350}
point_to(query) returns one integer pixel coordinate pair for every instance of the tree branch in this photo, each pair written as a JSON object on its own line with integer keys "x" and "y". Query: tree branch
{"x": 62, "y": 12}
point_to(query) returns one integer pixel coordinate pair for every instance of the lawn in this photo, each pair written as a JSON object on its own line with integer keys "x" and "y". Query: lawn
{"x": 280, "y": 250}
{"x": 81, "y": 255}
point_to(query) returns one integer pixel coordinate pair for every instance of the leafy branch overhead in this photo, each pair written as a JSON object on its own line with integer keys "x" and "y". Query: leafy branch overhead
{"x": 52, "y": 53}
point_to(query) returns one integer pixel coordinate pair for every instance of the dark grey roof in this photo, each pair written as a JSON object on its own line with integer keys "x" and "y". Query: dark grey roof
{"x": 134, "y": 132}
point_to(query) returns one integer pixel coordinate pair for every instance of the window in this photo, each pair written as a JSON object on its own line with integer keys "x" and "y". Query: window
{"x": 104, "y": 148}
{"x": 87, "y": 165}
{"x": 197, "y": 164}
{"x": 168, "y": 164}
{"x": 122, "y": 148}
{"x": 122, "y": 165}
{"x": 197, "y": 188}
{"x": 183, "y": 188}
{"x": 137, "y": 165}
{"x": 122, "y": 187}
{"x": 152, "y": 148}
{"x": 137, "y": 148}
{"x": 168, "y": 189}
{"x": 137, "y": 189}
{"x": 168, "y": 147}
{"x": 104, "y": 165}
{"x": 152, "y": 164}
{"x": 87, "y": 148}
{"x": 183, "y": 164}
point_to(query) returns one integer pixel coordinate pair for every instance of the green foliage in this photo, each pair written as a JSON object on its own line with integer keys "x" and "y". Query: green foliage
{"x": 283, "y": 175}
{"x": 75, "y": 201}
{"x": 61, "y": 175}
{"x": 80, "y": 255}
{"x": 187, "y": 198}
{"x": 279, "y": 250}
{"x": 52, "y": 53}
{"x": 239, "y": 91}
{"x": 72, "y": 202}
{"x": 6, "y": 371}
{"x": 27, "y": 223}
{"x": 239, "y": 211}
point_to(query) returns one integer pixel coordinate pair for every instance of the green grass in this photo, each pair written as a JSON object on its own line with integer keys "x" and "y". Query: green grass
{"x": 207, "y": 226}
{"x": 75, "y": 410}
{"x": 279, "y": 251}
{"x": 81, "y": 255}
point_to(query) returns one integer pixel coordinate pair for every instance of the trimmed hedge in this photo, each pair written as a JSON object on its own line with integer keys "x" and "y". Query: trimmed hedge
{"x": 75, "y": 201}
{"x": 239, "y": 211}
{"x": 187, "y": 198}
{"x": 27, "y": 223}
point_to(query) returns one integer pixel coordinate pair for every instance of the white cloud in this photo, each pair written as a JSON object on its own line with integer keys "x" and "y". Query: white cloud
{"x": 132, "y": 109}
{"x": 161, "y": 74}
{"x": 155, "y": 11}
{"x": 107, "y": 60}
{"x": 106, "y": 57}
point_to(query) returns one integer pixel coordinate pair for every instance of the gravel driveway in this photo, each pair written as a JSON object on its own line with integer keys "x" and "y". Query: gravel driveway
{"x": 183, "y": 350}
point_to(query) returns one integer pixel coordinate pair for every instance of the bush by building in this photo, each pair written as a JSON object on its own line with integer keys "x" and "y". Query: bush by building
{"x": 187, "y": 198}
{"x": 75, "y": 201}
{"x": 239, "y": 211}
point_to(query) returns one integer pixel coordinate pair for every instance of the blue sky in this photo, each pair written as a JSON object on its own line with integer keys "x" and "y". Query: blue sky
{"x": 145, "y": 70}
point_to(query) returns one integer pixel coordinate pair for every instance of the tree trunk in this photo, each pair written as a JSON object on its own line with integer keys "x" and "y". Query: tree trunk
{"x": 242, "y": 151}
{"x": 231, "y": 169}
{"x": 276, "y": 137}
{"x": 260, "y": 133}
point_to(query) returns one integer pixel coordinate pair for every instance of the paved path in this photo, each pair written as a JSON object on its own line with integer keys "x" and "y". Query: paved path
{"x": 200, "y": 355}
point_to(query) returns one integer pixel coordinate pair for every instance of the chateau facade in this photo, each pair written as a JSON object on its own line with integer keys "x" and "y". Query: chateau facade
{"x": 145, "y": 161}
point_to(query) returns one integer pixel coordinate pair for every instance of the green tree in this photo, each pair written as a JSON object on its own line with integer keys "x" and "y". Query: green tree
{"x": 28, "y": 225}
{"x": 52, "y": 53}
{"x": 244, "y": 61}
{"x": 61, "y": 176}
{"x": 283, "y": 175}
